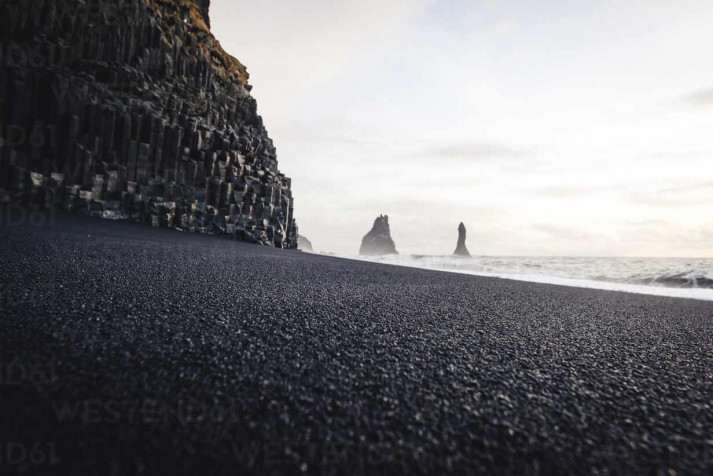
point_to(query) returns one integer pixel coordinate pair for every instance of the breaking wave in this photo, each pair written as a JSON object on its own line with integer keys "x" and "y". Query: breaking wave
{"x": 678, "y": 277}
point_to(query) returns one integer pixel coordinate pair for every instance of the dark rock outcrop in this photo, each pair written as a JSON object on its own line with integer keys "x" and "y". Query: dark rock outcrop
{"x": 461, "y": 249}
{"x": 204, "y": 7}
{"x": 304, "y": 244}
{"x": 131, "y": 109}
{"x": 378, "y": 241}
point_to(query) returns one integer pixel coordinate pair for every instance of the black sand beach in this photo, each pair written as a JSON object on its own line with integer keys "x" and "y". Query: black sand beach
{"x": 129, "y": 349}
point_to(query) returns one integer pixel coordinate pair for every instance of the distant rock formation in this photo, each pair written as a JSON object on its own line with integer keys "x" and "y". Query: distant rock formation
{"x": 378, "y": 241}
{"x": 461, "y": 249}
{"x": 304, "y": 244}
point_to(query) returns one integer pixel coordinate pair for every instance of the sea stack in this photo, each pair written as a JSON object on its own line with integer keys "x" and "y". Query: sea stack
{"x": 461, "y": 249}
{"x": 378, "y": 241}
{"x": 304, "y": 244}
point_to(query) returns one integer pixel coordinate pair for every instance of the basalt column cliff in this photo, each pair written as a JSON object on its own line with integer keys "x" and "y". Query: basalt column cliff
{"x": 131, "y": 109}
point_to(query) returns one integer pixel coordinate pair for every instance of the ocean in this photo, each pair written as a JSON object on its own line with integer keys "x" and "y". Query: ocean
{"x": 677, "y": 277}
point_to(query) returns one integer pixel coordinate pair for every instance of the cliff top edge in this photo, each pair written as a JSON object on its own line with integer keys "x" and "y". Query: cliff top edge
{"x": 195, "y": 13}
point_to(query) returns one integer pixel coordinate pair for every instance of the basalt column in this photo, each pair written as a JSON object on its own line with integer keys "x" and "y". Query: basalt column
{"x": 130, "y": 109}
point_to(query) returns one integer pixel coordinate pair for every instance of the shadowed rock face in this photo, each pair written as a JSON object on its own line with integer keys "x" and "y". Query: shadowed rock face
{"x": 461, "y": 249}
{"x": 204, "y": 7}
{"x": 378, "y": 241}
{"x": 130, "y": 109}
{"x": 304, "y": 244}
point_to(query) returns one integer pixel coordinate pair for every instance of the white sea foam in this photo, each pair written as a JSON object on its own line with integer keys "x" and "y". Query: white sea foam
{"x": 676, "y": 277}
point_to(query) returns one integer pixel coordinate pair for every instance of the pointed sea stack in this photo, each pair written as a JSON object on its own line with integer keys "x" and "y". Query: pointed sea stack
{"x": 461, "y": 249}
{"x": 378, "y": 241}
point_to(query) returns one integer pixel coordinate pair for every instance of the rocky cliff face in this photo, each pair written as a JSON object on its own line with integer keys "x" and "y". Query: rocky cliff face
{"x": 131, "y": 109}
{"x": 204, "y": 7}
{"x": 461, "y": 249}
{"x": 378, "y": 241}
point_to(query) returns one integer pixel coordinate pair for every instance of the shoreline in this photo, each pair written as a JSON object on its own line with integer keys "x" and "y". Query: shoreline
{"x": 702, "y": 294}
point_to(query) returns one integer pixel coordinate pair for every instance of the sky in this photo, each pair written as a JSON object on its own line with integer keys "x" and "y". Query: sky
{"x": 556, "y": 128}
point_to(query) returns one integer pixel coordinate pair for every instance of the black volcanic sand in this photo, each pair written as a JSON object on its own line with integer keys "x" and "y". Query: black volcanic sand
{"x": 127, "y": 349}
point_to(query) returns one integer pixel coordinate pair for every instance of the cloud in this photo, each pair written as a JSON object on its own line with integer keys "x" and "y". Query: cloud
{"x": 667, "y": 201}
{"x": 688, "y": 188}
{"x": 699, "y": 99}
{"x": 472, "y": 151}
{"x": 573, "y": 191}
{"x": 562, "y": 232}
{"x": 686, "y": 194}
{"x": 645, "y": 223}
{"x": 673, "y": 239}
{"x": 332, "y": 130}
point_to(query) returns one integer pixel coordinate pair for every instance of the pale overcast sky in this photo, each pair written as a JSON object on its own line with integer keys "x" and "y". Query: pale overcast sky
{"x": 547, "y": 127}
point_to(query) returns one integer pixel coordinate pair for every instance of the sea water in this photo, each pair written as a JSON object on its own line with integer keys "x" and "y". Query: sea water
{"x": 677, "y": 277}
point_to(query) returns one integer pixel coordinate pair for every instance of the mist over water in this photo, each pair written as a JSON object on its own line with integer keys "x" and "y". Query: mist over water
{"x": 677, "y": 277}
